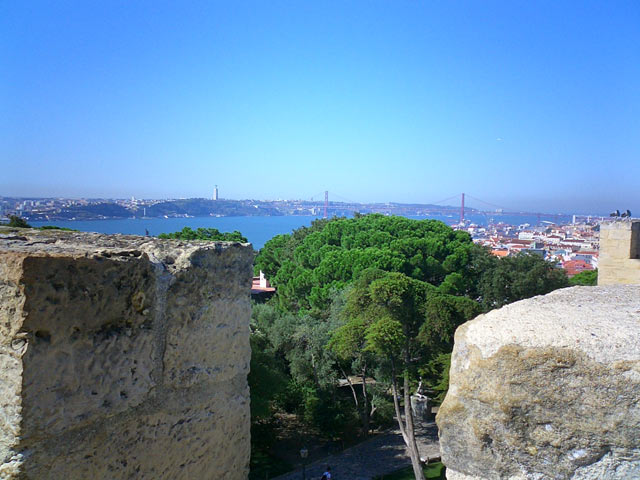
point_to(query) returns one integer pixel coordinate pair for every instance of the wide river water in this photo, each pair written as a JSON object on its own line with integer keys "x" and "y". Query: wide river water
{"x": 257, "y": 229}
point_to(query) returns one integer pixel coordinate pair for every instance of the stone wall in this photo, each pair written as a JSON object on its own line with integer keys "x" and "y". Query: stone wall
{"x": 123, "y": 357}
{"x": 619, "y": 261}
{"x": 547, "y": 388}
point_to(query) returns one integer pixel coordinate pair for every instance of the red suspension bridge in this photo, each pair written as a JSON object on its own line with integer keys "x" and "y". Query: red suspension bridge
{"x": 445, "y": 206}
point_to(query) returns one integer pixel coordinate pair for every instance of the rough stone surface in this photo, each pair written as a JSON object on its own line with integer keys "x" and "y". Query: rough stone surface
{"x": 547, "y": 388}
{"x": 619, "y": 261}
{"x": 123, "y": 357}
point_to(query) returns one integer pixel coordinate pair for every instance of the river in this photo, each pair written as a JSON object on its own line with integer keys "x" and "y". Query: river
{"x": 257, "y": 229}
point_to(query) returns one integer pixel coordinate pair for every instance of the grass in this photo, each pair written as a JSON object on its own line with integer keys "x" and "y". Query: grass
{"x": 433, "y": 471}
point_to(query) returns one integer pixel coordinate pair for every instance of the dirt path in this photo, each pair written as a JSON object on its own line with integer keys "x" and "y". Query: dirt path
{"x": 380, "y": 455}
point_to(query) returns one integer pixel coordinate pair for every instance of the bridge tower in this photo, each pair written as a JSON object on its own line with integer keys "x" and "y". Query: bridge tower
{"x": 462, "y": 210}
{"x": 326, "y": 202}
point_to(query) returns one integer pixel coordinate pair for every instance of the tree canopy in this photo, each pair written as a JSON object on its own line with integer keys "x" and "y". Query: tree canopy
{"x": 372, "y": 303}
{"x": 212, "y": 234}
{"x": 586, "y": 278}
{"x": 18, "y": 222}
{"x": 306, "y": 266}
{"x": 505, "y": 280}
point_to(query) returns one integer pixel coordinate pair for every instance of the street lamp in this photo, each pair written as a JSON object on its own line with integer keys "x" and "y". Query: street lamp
{"x": 304, "y": 453}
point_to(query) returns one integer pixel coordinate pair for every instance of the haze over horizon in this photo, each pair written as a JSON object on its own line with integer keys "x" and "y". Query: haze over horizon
{"x": 470, "y": 203}
{"x": 530, "y": 106}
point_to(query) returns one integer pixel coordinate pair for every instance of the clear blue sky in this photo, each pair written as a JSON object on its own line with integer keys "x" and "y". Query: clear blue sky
{"x": 530, "y": 105}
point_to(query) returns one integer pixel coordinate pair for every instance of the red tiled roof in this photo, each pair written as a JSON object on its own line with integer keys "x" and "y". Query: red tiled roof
{"x": 573, "y": 267}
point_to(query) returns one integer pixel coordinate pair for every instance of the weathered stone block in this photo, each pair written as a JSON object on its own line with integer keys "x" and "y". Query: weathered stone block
{"x": 123, "y": 357}
{"x": 619, "y": 261}
{"x": 88, "y": 347}
{"x": 194, "y": 435}
{"x": 547, "y": 388}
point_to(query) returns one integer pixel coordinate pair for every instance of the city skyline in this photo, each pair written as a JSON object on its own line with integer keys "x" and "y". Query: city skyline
{"x": 527, "y": 106}
{"x": 471, "y": 203}
{"x": 44, "y": 206}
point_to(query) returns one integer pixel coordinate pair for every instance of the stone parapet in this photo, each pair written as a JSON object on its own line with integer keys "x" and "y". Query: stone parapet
{"x": 123, "y": 357}
{"x": 547, "y": 388}
{"x": 619, "y": 258}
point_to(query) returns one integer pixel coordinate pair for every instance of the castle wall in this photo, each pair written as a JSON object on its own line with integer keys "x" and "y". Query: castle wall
{"x": 619, "y": 260}
{"x": 123, "y": 357}
{"x": 547, "y": 388}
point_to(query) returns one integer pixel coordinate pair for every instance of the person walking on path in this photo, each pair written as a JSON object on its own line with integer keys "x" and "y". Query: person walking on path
{"x": 327, "y": 474}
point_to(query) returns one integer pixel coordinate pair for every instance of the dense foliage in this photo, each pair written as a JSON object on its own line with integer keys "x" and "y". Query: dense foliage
{"x": 17, "y": 222}
{"x": 504, "y": 280}
{"x": 330, "y": 255}
{"x": 211, "y": 234}
{"x": 368, "y": 305}
{"x": 587, "y": 278}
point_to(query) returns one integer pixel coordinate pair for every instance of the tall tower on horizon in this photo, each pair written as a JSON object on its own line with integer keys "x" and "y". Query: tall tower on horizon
{"x": 215, "y": 193}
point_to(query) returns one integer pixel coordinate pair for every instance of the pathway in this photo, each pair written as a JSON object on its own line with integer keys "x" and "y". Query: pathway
{"x": 381, "y": 455}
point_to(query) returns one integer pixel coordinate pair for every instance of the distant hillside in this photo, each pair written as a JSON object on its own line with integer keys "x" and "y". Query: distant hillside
{"x": 96, "y": 210}
{"x": 201, "y": 207}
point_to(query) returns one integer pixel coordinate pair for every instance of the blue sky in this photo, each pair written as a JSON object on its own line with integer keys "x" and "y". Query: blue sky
{"x": 528, "y": 105}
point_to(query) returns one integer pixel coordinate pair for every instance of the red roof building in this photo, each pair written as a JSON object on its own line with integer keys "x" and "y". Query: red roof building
{"x": 574, "y": 267}
{"x": 261, "y": 285}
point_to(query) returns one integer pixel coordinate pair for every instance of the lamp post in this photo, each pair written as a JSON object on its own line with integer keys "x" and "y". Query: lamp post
{"x": 304, "y": 453}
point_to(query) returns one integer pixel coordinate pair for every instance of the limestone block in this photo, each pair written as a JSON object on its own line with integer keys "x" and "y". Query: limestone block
{"x": 618, "y": 271}
{"x": 185, "y": 437}
{"x": 203, "y": 338}
{"x": 123, "y": 357}
{"x": 89, "y": 348}
{"x": 619, "y": 261}
{"x": 547, "y": 388}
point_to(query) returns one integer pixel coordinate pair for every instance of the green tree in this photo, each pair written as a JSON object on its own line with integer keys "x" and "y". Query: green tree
{"x": 500, "y": 281}
{"x": 587, "y": 278}
{"x": 268, "y": 380}
{"x": 267, "y": 376}
{"x": 309, "y": 264}
{"x": 212, "y": 234}
{"x": 348, "y": 343}
{"x": 377, "y": 296}
{"x": 281, "y": 248}
{"x": 17, "y": 222}
{"x": 398, "y": 300}
{"x": 436, "y": 372}
{"x": 443, "y": 314}
{"x": 406, "y": 324}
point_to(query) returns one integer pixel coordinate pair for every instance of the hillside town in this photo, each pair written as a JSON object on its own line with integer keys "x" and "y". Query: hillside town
{"x": 52, "y": 209}
{"x": 573, "y": 246}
